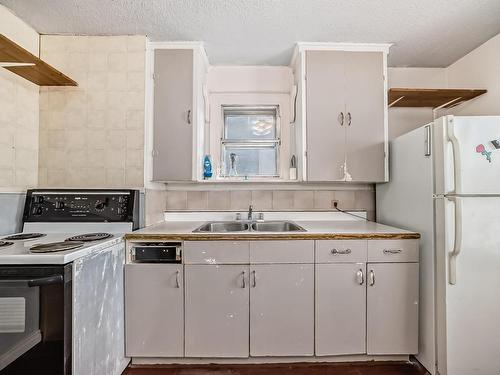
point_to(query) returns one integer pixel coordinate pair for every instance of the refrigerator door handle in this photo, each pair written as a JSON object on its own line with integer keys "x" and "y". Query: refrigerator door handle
{"x": 457, "y": 245}
{"x": 427, "y": 140}
{"x": 457, "y": 164}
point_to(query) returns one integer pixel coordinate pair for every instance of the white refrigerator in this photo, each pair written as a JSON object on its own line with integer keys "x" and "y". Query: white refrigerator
{"x": 445, "y": 184}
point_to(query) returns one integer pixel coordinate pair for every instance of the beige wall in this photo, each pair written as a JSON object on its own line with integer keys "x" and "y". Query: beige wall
{"x": 402, "y": 120}
{"x": 93, "y": 135}
{"x": 478, "y": 69}
{"x": 18, "y": 113}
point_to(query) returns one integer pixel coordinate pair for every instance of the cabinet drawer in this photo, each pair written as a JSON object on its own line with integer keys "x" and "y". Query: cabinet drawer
{"x": 393, "y": 251}
{"x": 299, "y": 251}
{"x": 216, "y": 252}
{"x": 351, "y": 251}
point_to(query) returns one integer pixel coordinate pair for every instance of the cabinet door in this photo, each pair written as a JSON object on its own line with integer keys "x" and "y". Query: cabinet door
{"x": 325, "y": 107}
{"x": 340, "y": 309}
{"x": 282, "y": 310}
{"x": 172, "y": 127}
{"x": 154, "y": 310}
{"x": 365, "y": 122}
{"x": 392, "y": 308}
{"x": 217, "y": 298}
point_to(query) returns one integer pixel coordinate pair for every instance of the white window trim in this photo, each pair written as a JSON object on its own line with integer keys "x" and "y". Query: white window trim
{"x": 277, "y": 140}
{"x": 281, "y": 101}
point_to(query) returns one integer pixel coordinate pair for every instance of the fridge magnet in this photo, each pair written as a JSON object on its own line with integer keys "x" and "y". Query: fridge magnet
{"x": 480, "y": 149}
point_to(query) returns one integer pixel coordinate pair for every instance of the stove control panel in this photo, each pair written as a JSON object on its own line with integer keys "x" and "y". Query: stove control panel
{"x": 87, "y": 205}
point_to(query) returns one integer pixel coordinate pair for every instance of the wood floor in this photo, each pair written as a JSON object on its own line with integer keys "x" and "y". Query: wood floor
{"x": 384, "y": 368}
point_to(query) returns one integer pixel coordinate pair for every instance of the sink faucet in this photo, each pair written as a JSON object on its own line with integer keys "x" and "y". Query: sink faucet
{"x": 250, "y": 212}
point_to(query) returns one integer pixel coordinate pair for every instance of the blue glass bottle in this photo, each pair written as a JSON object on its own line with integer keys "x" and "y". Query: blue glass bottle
{"x": 207, "y": 167}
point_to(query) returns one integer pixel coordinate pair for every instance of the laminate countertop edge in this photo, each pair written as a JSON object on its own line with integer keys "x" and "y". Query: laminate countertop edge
{"x": 269, "y": 236}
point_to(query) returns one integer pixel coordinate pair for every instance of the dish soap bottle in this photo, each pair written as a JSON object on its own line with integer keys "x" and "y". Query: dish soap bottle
{"x": 207, "y": 167}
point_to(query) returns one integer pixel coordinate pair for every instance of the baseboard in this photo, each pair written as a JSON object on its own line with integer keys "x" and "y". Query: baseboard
{"x": 261, "y": 360}
{"x": 19, "y": 349}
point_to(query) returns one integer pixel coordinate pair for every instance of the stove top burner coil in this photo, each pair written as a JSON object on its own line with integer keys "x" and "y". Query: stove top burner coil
{"x": 88, "y": 237}
{"x": 23, "y": 236}
{"x": 5, "y": 243}
{"x": 52, "y": 247}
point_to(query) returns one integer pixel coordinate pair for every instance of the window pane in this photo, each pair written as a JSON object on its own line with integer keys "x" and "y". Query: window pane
{"x": 249, "y": 126}
{"x": 250, "y": 160}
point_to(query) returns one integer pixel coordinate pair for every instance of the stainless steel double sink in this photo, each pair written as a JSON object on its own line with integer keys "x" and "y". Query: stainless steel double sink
{"x": 249, "y": 226}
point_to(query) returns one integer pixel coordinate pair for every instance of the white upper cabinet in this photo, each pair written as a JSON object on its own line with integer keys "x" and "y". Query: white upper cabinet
{"x": 178, "y": 74}
{"x": 343, "y": 120}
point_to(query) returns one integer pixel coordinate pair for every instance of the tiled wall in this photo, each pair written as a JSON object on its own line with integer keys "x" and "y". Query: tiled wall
{"x": 271, "y": 200}
{"x": 155, "y": 202}
{"x": 93, "y": 135}
{"x": 18, "y": 131}
{"x": 18, "y": 113}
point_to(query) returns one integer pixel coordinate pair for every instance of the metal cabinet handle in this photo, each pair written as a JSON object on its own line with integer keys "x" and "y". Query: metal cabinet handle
{"x": 349, "y": 118}
{"x": 372, "y": 278}
{"x": 177, "y": 283}
{"x": 392, "y": 251}
{"x": 361, "y": 277}
{"x": 341, "y": 252}
{"x": 341, "y": 118}
{"x": 254, "y": 282}
{"x": 243, "y": 277}
{"x": 189, "y": 117}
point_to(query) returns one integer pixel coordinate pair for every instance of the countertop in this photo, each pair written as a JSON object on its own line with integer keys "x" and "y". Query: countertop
{"x": 315, "y": 229}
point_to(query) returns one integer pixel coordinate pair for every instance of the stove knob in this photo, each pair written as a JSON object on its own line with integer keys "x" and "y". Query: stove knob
{"x": 100, "y": 205}
{"x": 59, "y": 205}
{"x": 119, "y": 211}
{"x": 37, "y": 211}
{"x": 38, "y": 199}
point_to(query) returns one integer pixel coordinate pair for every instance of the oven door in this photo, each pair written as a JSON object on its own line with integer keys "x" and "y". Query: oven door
{"x": 34, "y": 337}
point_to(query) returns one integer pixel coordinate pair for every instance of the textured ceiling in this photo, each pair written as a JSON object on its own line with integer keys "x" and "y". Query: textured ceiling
{"x": 424, "y": 32}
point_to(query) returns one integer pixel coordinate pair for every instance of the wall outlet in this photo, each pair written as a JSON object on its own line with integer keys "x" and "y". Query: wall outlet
{"x": 334, "y": 203}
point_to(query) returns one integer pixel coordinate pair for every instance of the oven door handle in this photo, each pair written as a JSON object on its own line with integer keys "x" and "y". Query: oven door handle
{"x": 57, "y": 279}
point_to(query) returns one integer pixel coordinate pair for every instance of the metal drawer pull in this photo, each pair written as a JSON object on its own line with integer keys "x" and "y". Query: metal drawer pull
{"x": 177, "y": 284}
{"x": 392, "y": 251}
{"x": 341, "y": 252}
{"x": 372, "y": 278}
{"x": 349, "y": 118}
{"x": 360, "y": 276}
{"x": 254, "y": 283}
{"x": 341, "y": 118}
{"x": 189, "y": 117}
{"x": 243, "y": 277}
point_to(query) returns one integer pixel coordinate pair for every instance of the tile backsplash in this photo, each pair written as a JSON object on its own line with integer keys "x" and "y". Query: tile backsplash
{"x": 271, "y": 200}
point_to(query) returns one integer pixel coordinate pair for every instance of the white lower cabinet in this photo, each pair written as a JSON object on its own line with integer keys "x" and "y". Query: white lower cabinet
{"x": 217, "y": 310}
{"x": 282, "y": 310}
{"x": 340, "y": 309}
{"x": 392, "y": 306}
{"x": 276, "y": 298}
{"x": 154, "y": 310}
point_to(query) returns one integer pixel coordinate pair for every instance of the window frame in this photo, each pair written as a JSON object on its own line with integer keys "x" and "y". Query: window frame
{"x": 251, "y": 143}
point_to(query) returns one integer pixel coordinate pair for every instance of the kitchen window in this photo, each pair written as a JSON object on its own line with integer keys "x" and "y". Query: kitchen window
{"x": 250, "y": 142}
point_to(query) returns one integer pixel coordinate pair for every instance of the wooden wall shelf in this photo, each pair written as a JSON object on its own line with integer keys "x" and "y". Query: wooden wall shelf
{"x": 434, "y": 98}
{"x": 35, "y": 70}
